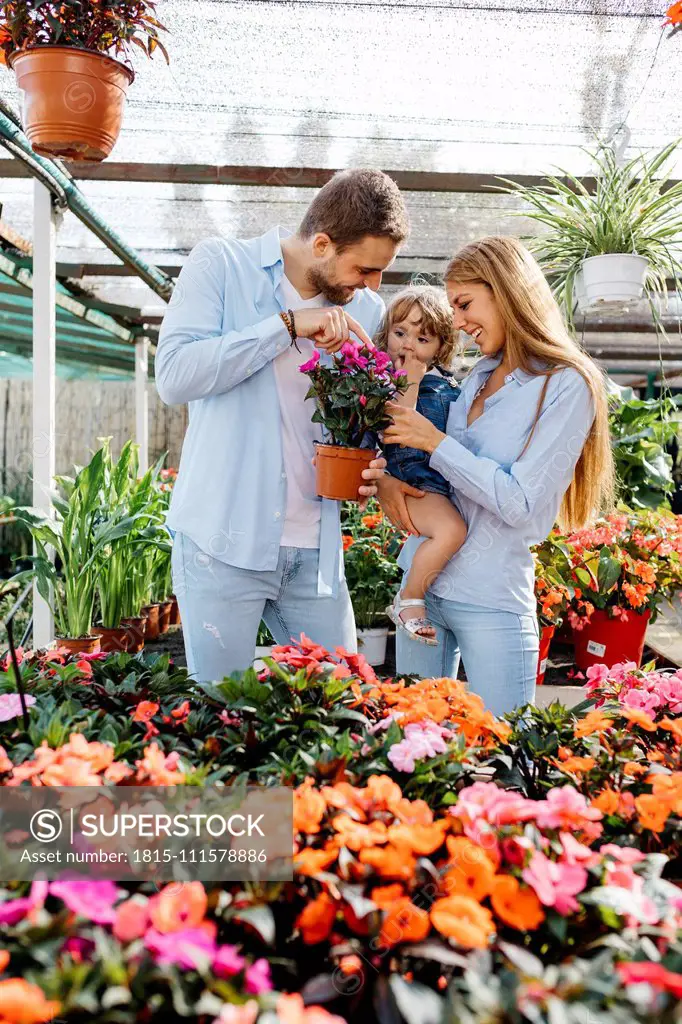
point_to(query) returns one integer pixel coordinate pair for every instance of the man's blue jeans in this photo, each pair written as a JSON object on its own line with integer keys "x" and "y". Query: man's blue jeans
{"x": 221, "y": 607}
{"x": 499, "y": 650}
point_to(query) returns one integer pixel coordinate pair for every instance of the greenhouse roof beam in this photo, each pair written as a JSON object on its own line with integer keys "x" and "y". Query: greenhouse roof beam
{"x": 287, "y": 177}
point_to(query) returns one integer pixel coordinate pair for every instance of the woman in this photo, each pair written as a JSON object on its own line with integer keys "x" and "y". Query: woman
{"x": 527, "y": 443}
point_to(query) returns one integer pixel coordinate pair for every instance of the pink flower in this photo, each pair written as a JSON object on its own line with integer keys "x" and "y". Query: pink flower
{"x": 131, "y": 921}
{"x": 363, "y": 400}
{"x": 227, "y": 961}
{"x": 555, "y": 885}
{"x": 381, "y": 360}
{"x": 311, "y": 364}
{"x": 79, "y": 948}
{"x": 577, "y": 853}
{"x": 257, "y": 978}
{"x": 421, "y": 739}
{"x": 244, "y": 1014}
{"x": 641, "y": 700}
{"x": 92, "y": 900}
{"x": 10, "y": 705}
{"x": 189, "y": 948}
{"x": 597, "y": 675}
{"x": 14, "y": 911}
{"x": 567, "y": 809}
{"x": 624, "y": 854}
{"x": 670, "y": 690}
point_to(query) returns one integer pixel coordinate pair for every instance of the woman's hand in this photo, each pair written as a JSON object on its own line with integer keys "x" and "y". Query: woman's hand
{"x": 411, "y": 429}
{"x": 391, "y": 496}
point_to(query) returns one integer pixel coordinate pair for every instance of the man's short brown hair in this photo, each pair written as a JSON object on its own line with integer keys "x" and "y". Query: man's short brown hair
{"x": 355, "y": 204}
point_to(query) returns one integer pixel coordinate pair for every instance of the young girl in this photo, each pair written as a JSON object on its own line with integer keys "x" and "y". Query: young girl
{"x": 418, "y": 333}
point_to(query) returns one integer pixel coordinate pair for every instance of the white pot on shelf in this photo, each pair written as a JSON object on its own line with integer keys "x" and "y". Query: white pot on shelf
{"x": 372, "y": 643}
{"x": 613, "y": 277}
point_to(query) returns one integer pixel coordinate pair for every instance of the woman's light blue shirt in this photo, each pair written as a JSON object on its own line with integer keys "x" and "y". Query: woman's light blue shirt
{"x": 509, "y": 501}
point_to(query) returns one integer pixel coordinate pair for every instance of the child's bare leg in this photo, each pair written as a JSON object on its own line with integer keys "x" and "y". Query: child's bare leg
{"x": 436, "y": 518}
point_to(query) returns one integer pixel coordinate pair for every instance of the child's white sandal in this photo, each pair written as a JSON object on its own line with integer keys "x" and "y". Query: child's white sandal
{"x": 411, "y": 626}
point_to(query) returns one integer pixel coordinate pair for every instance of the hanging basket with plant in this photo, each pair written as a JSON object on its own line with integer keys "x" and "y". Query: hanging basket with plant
{"x": 351, "y": 391}
{"x": 613, "y": 244}
{"x": 65, "y": 56}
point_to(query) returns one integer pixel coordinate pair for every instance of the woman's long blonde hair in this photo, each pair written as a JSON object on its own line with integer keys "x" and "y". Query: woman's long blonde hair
{"x": 536, "y": 333}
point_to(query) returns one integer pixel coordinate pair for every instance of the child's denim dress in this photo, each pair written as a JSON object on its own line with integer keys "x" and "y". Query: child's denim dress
{"x": 436, "y": 394}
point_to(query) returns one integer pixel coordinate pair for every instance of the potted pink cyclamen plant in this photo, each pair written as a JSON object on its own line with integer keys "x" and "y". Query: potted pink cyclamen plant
{"x": 351, "y": 391}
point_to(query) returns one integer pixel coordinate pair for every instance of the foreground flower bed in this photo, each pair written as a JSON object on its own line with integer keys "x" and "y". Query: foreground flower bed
{"x": 448, "y": 865}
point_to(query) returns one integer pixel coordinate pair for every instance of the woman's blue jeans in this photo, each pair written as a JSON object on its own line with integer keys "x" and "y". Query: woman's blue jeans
{"x": 499, "y": 650}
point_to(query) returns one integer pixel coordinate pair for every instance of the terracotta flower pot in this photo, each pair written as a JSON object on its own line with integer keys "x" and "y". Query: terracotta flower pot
{"x": 72, "y": 100}
{"x": 152, "y": 613}
{"x": 79, "y": 644}
{"x": 606, "y": 641}
{"x": 175, "y": 612}
{"x": 545, "y": 641}
{"x": 114, "y": 639}
{"x": 339, "y": 470}
{"x": 164, "y": 616}
{"x": 136, "y": 627}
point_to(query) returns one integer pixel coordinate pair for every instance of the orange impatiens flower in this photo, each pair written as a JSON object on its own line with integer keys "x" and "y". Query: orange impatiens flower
{"x": 348, "y": 541}
{"x": 638, "y": 717}
{"x": 652, "y": 812}
{"x": 23, "y": 1003}
{"x": 517, "y": 907}
{"x": 463, "y": 920}
{"x": 4, "y": 960}
{"x": 575, "y": 765}
{"x": 420, "y": 839}
{"x": 292, "y": 1010}
{"x": 310, "y": 862}
{"x": 470, "y": 871}
{"x": 389, "y": 862}
{"x": 178, "y": 906}
{"x": 386, "y": 895}
{"x": 372, "y": 521}
{"x": 356, "y": 835}
{"x": 317, "y": 919}
{"x": 404, "y": 922}
{"x": 593, "y": 722}
{"x": 607, "y": 801}
{"x": 309, "y": 808}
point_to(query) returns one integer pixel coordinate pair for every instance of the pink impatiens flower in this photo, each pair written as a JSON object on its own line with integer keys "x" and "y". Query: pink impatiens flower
{"x": 10, "y": 705}
{"x": 421, "y": 739}
{"x": 92, "y": 900}
{"x": 567, "y": 809}
{"x": 189, "y": 948}
{"x": 257, "y": 977}
{"x": 227, "y": 962}
{"x": 556, "y": 885}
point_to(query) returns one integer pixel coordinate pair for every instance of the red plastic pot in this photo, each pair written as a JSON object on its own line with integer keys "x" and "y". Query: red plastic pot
{"x": 606, "y": 641}
{"x": 545, "y": 640}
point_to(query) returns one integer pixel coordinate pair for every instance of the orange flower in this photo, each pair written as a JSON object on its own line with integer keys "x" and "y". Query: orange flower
{"x": 575, "y": 765}
{"x": 383, "y": 792}
{"x": 292, "y": 1010}
{"x": 607, "y": 801}
{"x": 517, "y": 907}
{"x": 179, "y": 905}
{"x": 404, "y": 922}
{"x": 4, "y": 960}
{"x": 389, "y": 862}
{"x": 632, "y": 769}
{"x": 462, "y": 919}
{"x": 309, "y": 808}
{"x": 593, "y": 722}
{"x": 470, "y": 871}
{"x": 652, "y": 811}
{"x": 372, "y": 521}
{"x": 145, "y": 711}
{"x": 420, "y": 839}
{"x": 317, "y": 919}
{"x": 356, "y": 835}
{"x": 673, "y": 725}
{"x": 310, "y": 862}
{"x": 347, "y": 541}
{"x": 385, "y": 895}
{"x": 5, "y": 763}
{"x": 638, "y": 717}
{"x": 23, "y": 1003}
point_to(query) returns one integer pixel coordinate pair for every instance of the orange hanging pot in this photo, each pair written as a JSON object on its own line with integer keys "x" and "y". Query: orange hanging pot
{"x": 339, "y": 470}
{"x": 72, "y": 100}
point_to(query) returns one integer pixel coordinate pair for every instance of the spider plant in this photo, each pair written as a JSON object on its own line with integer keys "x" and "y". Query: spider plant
{"x": 631, "y": 210}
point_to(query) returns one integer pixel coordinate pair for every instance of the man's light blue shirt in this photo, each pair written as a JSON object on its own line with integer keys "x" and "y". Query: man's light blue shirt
{"x": 217, "y": 344}
{"x": 509, "y": 497}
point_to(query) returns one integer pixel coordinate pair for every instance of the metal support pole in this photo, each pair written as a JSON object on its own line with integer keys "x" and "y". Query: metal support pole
{"x": 44, "y": 369}
{"x": 142, "y": 401}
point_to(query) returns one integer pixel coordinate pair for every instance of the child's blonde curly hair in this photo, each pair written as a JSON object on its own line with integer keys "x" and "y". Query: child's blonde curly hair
{"x": 436, "y": 318}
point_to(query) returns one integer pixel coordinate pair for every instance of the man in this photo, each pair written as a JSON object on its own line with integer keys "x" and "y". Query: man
{"x": 252, "y": 539}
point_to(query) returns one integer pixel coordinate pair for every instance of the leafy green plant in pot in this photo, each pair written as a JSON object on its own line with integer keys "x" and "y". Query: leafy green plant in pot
{"x": 64, "y": 55}
{"x": 79, "y": 535}
{"x": 371, "y": 545}
{"x": 640, "y": 429}
{"x": 614, "y": 244}
{"x": 351, "y": 391}
{"x": 121, "y": 570}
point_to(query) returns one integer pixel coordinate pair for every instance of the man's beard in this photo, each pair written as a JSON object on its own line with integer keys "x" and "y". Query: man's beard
{"x": 337, "y": 294}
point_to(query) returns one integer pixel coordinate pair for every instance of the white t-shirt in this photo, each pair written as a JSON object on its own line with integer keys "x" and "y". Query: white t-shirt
{"x": 302, "y": 517}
